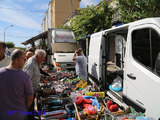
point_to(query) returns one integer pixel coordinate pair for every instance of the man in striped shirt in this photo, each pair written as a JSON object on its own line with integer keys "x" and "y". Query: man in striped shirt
{"x": 32, "y": 67}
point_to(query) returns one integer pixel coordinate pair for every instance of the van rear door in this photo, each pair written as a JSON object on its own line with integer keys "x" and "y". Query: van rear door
{"x": 95, "y": 59}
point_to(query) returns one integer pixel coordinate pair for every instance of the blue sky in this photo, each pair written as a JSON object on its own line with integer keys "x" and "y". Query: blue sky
{"x": 27, "y": 17}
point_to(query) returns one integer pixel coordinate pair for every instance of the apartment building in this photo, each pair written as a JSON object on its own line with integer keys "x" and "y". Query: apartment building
{"x": 58, "y": 11}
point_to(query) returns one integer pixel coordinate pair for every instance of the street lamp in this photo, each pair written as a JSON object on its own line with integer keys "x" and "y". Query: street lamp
{"x": 5, "y": 31}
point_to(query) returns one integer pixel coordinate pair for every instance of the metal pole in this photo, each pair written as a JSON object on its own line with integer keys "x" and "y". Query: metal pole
{"x": 4, "y": 36}
{"x": 5, "y": 31}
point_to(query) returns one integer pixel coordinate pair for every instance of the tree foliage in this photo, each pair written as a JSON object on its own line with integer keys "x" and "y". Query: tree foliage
{"x": 132, "y": 10}
{"x": 92, "y": 19}
{"x": 10, "y": 44}
{"x": 21, "y": 48}
{"x": 64, "y": 26}
{"x": 97, "y": 18}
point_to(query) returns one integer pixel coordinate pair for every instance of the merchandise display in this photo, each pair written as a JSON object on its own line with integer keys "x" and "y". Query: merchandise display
{"x": 63, "y": 96}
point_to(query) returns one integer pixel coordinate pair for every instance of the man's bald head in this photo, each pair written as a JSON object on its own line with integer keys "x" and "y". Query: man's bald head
{"x": 16, "y": 54}
{"x": 18, "y": 59}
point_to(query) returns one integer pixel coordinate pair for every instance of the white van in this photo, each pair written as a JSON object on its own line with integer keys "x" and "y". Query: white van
{"x": 130, "y": 51}
{"x": 62, "y": 45}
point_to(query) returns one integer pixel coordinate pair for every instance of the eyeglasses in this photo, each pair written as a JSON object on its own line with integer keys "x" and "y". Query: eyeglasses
{"x": 23, "y": 59}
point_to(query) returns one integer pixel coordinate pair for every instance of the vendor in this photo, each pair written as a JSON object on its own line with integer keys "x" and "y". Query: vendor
{"x": 81, "y": 64}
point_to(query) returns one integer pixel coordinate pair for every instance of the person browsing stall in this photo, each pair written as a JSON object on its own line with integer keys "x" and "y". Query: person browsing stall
{"x": 29, "y": 54}
{"x": 16, "y": 91}
{"x": 32, "y": 67}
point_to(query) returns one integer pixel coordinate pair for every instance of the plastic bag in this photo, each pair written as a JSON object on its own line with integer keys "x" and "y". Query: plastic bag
{"x": 116, "y": 84}
{"x": 144, "y": 118}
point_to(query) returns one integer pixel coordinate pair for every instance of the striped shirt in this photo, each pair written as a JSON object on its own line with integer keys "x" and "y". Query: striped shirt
{"x": 33, "y": 70}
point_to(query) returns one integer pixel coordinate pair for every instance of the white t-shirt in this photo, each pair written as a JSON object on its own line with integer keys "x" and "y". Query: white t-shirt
{"x": 5, "y": 62}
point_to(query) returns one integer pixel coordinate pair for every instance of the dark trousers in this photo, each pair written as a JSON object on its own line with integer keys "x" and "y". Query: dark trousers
{"x": 31, "y": 109}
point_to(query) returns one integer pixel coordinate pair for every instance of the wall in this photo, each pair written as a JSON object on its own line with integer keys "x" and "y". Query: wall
{"x": 57, "y": 11}
{"x": 49, "y": 15}
{"x": 63, "y": 8}
{"x": 42, "y": 26}
{"x": 46, "y": 22}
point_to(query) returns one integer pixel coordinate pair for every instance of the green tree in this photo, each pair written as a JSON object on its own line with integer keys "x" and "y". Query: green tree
{"x": 10, "y": 44}
{"x": 64, "y": 26}
{"x": 92, "y": 19}
{"x": 132, "y": 10}
{"x": 21, "y": 48}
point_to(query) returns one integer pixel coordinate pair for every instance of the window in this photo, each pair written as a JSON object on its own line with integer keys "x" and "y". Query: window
{"x": 141, "y": 46}
{"x": 145, "y": 47}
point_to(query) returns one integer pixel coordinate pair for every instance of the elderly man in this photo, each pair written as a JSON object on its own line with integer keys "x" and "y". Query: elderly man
{"x": 16, "y": 91}
{"x": 32, "y": 67}
{"x": 4, "y": 59}
{"x": 81, "y": 64}
{"x": 29, "y": 54}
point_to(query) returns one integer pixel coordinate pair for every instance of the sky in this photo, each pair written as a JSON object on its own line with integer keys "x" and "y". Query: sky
{"x": 26, "y": 16}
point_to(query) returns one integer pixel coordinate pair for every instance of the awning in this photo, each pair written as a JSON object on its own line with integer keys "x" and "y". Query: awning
{"x": 64, "y": 47}
{"x": 35, "y": 38}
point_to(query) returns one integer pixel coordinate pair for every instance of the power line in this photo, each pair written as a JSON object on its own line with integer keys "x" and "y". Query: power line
{"x": 21, "y": 9}
{"x": 15, "y": 36}
{"x": 30, "y": 10}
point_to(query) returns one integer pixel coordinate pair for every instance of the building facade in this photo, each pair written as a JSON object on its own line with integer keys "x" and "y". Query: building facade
{"x": 58, "y": 11}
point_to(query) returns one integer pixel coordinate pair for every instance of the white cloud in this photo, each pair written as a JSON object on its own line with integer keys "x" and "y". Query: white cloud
{"x": 26, "y": 24}
{"x": 28, "y": 0}
{"x": 23, "y": 0}
{"x": 84, "y": 3}
{"x": 42, "y": 6}
{"x": 18, "y": 18}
